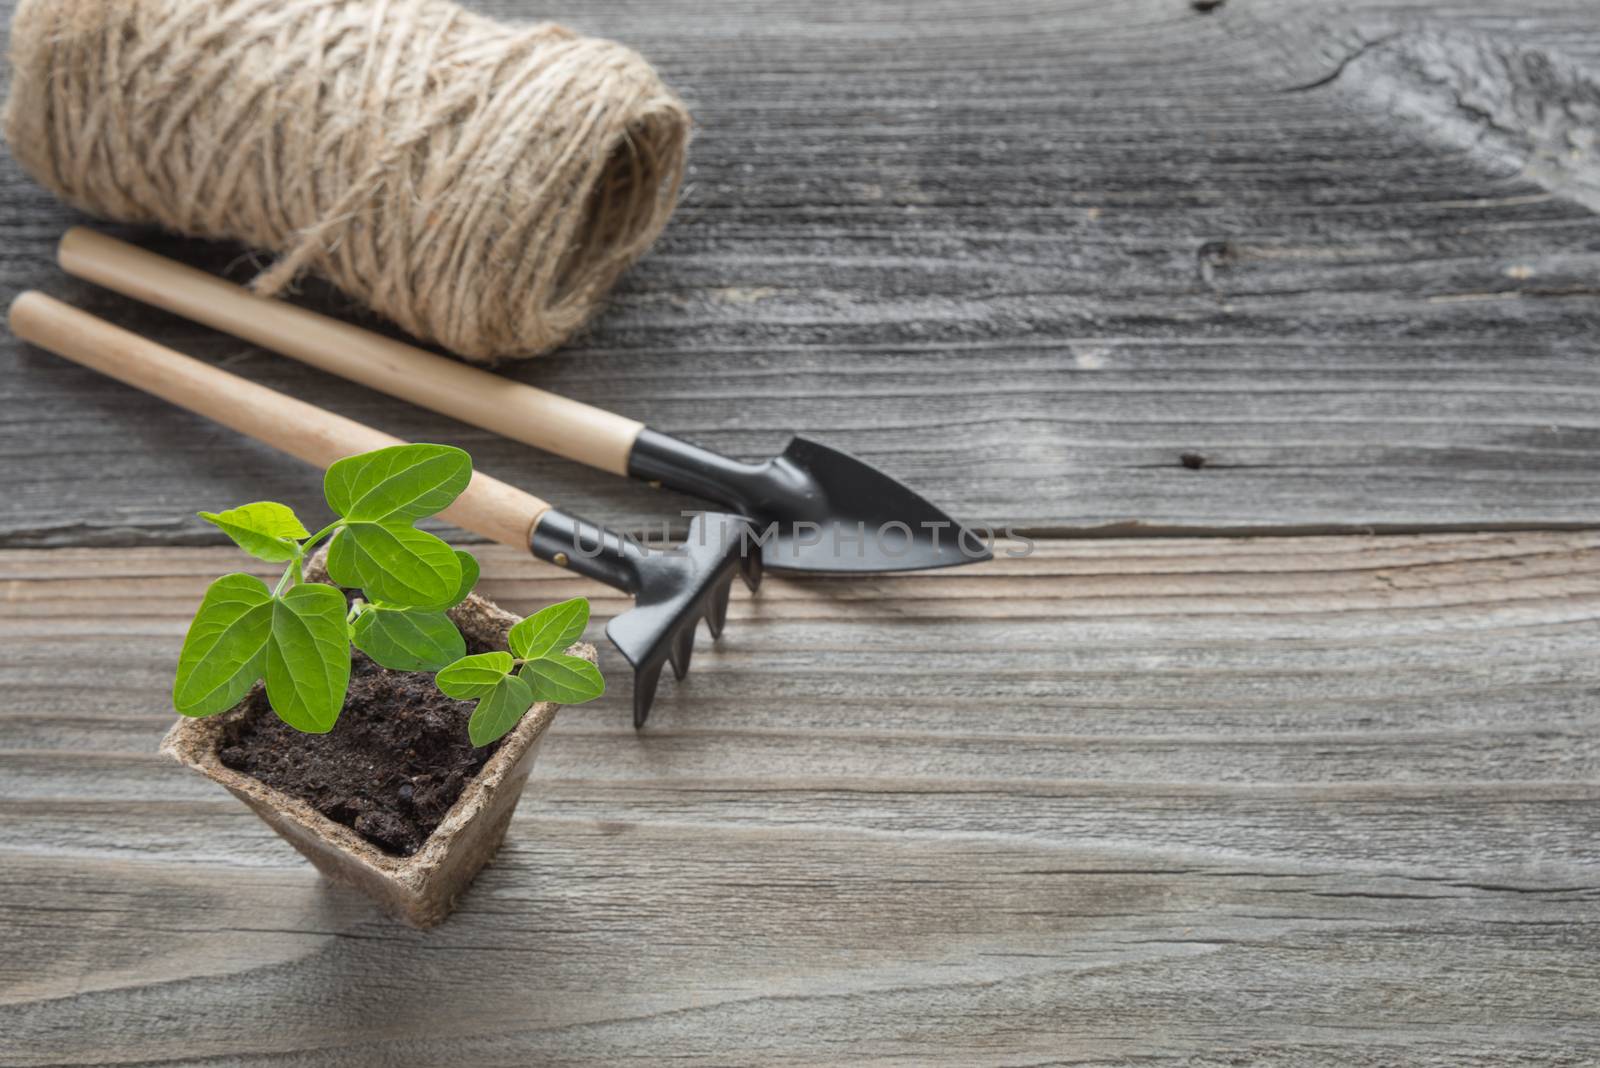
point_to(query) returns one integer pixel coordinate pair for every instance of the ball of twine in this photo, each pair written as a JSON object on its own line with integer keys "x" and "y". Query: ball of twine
{"x": 480, "y": 184}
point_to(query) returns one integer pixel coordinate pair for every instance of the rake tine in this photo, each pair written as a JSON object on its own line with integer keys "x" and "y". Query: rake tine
{"x": 645, "y": 681}
{"x": 717, "y": 610}
{"x": 682, "y": 649}
{"x": 750, "y": 569}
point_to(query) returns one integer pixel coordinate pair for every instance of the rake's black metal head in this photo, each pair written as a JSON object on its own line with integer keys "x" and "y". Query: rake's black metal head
{"x": 677, "y": 588}
{"x": 673, "y": 589}
{"x": 814, "y": 508}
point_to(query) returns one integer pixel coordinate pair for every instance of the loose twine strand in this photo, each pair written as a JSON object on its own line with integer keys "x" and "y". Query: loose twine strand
{"x": 482, "y": 185}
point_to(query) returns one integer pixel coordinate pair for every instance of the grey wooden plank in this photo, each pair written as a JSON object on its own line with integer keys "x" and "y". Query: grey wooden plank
{"x": 1025, "y": 256}
{"x": 1299, "y": 800}
{"x": 815, "y": 950}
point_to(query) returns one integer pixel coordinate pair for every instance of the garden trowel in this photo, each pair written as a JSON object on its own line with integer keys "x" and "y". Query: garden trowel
{"x": 811, "y": 507}
{"x": 672, "y": 589}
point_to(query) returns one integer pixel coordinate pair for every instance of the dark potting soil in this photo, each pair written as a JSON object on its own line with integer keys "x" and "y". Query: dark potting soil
{"x": 390, "y": 769}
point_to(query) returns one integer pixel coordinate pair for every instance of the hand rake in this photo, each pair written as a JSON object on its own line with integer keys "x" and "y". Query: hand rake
{"x": 672, "y": 590}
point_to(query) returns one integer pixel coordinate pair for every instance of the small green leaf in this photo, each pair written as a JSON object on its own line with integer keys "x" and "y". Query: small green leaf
{"x": 499, "y": 711}
{"x": 308, "y": 658}
{"x": 474, "y": 676}
{"x": 566, "y": 680}
{"x": 550, "y": 630}
{"x": 266, "y": 530}
{"x": 398, "y": 484}
{"x": 469, "y": 576}
{"x": 407, "y": 639}
{"x": 224, "y": 652}
{"x": 398, "y": 564}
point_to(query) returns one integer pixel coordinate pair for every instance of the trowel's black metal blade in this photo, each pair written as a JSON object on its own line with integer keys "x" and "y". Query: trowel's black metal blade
{"x": 814, "y": 508}
{"x": 854, "y": 517}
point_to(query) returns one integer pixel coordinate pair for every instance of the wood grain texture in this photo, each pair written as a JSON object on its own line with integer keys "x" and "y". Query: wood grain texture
{"x": 1310, "y": 800}
{"x": 1024, "y": 255}
{"x": 1208, "y": 801}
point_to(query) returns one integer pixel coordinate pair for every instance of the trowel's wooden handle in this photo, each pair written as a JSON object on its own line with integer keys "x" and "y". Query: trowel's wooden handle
{"x": 488, "y": 507}
{"x": 565, "y": 427}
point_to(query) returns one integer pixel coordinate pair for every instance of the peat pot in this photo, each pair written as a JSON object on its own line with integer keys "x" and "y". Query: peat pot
{"x": 422, "y": 888}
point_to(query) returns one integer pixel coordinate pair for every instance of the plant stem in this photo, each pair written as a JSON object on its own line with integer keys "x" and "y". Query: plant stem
{"x": 291, "y": 575}
{"x": 306, "y": 545}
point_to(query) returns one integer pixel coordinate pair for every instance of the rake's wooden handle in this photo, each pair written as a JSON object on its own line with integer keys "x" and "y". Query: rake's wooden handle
{"x": 556, "y": 424}
{"x": 487, "y": 507}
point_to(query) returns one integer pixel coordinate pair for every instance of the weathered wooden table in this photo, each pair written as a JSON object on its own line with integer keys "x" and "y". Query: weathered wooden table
{"x": 1288, "y": 752}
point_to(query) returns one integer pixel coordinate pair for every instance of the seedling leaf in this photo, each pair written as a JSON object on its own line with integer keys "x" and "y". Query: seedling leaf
{"x": 266, "y": 530}
{"x": 308, "y": 658}
{"x": 398, "y": 484}
{"x": 550, "y": 630}
{"x": 566, "y": 680}
{"x": 397, "y": 564}
{"x": 499, "y": 711}
{"x": 408, "y": 639}
{"x": 469, "y": 576}
{"x": 224, "y": 652}
{"x": 474, "y": 676}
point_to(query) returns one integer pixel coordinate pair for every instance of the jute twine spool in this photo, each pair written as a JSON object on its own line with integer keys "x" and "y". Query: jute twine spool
{"x": 480, "y": 184}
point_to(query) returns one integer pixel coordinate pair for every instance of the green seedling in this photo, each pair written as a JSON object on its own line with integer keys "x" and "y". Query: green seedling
{"x": 536, "y": 669}
{"x": 297, "y": 635}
